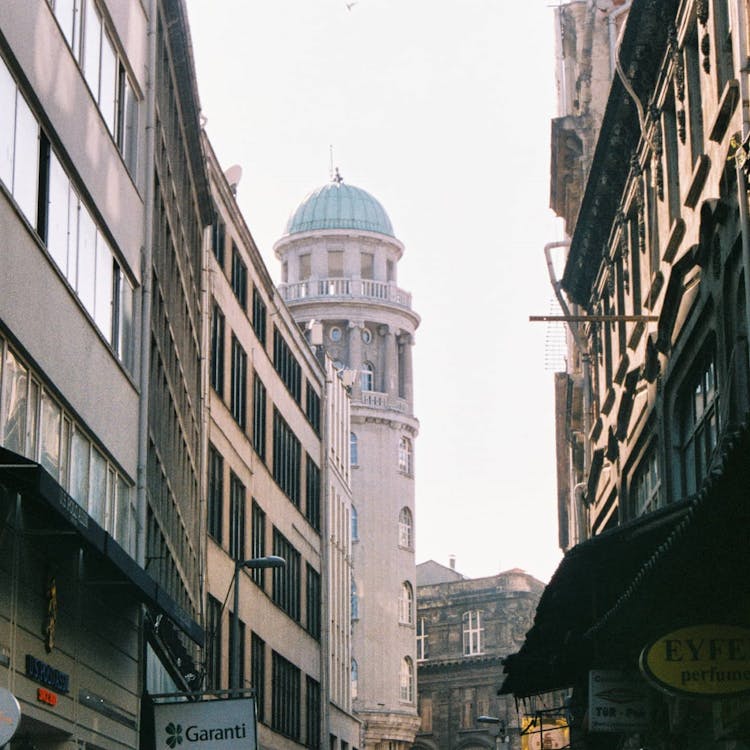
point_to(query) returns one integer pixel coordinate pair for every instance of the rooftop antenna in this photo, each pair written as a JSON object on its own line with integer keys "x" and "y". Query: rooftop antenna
{"x": 330, "y": 166}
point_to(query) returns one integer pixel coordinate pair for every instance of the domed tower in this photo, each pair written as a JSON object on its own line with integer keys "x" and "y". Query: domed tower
{"x": 339, "y": 260}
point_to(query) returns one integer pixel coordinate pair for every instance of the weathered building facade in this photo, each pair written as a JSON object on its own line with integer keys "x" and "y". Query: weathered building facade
{"x": 653, "y": 413}
{"x": 465, "y": 628}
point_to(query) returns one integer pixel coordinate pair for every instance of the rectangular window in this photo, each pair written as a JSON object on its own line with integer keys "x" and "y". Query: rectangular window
{"x": 238, "y": 404}
{"x": 313, "y": 602}
{"x": 286, "y": 458}
{"x": 314, "y": 710}
{"x": 368, "y": 265}
{"x": 312, "y": 508}
{"x": 286, "y": 365}
{"x": 213, "y": 630}
{"x": 218, "y": 238}
{"x": 217, "y": 350}
{"x": 258, "y": 674}
{"x": 285, "y": 698}
{"x": 313, "y": 408}
{"x": 258, "y": 542}
{"x": 473, "y": 633}
{"x": 259, "y": 317}
{"x": 335, "y": 264}
{"x": 236, "y": 517}
{"x": 305, "y": 267}
{"x": 259, "y": 417}
{"x": 239, "y": 277}
{"x": 646, "y": 485}
{"x": 286, "y": 580}
{"x": 215, "y": 493}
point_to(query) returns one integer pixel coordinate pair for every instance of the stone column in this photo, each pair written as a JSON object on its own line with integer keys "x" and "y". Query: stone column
{"x": 406, "y": 340}
{"x": 355, "y": 355}
{"x": 390, "y": 362}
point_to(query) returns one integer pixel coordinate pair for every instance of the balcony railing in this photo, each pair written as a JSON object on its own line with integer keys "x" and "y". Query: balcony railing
{"x": 383, "y": 291}
{"x": 378, "y": 400}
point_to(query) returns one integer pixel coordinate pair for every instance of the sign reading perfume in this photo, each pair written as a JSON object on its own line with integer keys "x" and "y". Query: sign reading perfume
{"x": 618, "y": 701}
{"x": 206, "y": 725}
{"x": 701, "y": 660}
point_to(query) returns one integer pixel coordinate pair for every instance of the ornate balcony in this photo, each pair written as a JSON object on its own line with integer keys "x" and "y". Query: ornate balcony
{"x": 379, "y": 400}
{"x": 338, "y": 289}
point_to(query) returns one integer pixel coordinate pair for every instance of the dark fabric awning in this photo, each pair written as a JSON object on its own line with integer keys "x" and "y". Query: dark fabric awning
{"x": 35, "y": 484}
{"x": 686, "y": 563}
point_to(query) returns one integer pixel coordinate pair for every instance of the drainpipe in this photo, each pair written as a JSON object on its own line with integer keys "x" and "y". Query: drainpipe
{"x": 582, "y": 349}
{"x": 146, "y": 292}
{"x": 325, "y": 536}
{"x": 741, "y": 65}
{"x": 611, "y": 29}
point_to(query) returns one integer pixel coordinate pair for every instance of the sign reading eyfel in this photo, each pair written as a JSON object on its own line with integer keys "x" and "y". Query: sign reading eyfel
{"x": 700, "y": 660}
{"x": 206, "y": 725}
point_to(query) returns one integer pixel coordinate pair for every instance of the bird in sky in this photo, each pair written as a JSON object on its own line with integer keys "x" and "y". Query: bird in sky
{"x": 349, "y": 6}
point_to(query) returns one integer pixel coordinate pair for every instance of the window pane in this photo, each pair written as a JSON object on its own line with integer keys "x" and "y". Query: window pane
{"x": 32, "y": 426}
{"x": 66, "y": 15}
{"x": 7, "y": 125}
{"x": 104, "y": 280}
{"x": 98, "y": 492}
{"x": 108, "y": 83}
{"x": 14, "y": 422}
{"x": 92, "y": 34}
{"x": 85, "y": 280}
{"x": 123, "y": 519}
{"x": 79, "y": 475}
{"x": 57, "y": 214}
{"x": 26, "y": 160}
{"x": 51, "y": 416}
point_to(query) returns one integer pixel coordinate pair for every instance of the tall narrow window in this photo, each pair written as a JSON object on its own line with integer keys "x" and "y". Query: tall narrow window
{"x": 313, "y": 602}
{"x": 473, "y": 633}
{"x": 404, "y": 455}
{"x": 355, "y": 679}
{"x": 259, "y": 317}
{"x": 215, "y": 492}
{"x": 259, "y": 417}
{"x": 236, "y": 518}
{"x": 285, "y": 699}
{"x": 406, "y": 604}
{"x": 218, "y": 239}
{"x": 423, "y": 651}
{"x": 217, "y": 350}
{"x": 646, "y": 485}
{"x": 238, "y": 403}
{"x": 355, "y": 525}
{"x": 353, "y": 449}
{"x": 312, "y": 506}
{"x": 354, "y": 599}
{"x": 367, "y": 377}
{"x": 407, "y": 680}
{"x": 258, "y": 674}
{"x": 239, "y": 277}
{"x": 258, "y": 541}
{"x": 286, "y": 580}
{"x": 286, "y": 458}
{"x": 405, "y": 523}
{"x": 368, "y": 265}
{"x": 314, "y": 711}
{"x": 286, "y": 365}
{"x": 312, "y": 410}
{"x": 213, "y": 630}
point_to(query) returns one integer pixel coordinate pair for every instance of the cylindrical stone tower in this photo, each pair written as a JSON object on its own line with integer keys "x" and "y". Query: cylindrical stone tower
{"x": 339, "y": 261}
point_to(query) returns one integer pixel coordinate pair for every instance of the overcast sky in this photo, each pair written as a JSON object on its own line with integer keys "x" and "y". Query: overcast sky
{"x": 440, "y": 109}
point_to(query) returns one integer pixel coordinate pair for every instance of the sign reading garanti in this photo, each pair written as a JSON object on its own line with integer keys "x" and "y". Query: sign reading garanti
{"x": 206, "y": 725}
{"x": 711, "y": 661}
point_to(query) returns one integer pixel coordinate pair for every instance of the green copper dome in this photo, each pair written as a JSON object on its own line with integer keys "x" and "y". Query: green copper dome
{"x": 339, "y": 206}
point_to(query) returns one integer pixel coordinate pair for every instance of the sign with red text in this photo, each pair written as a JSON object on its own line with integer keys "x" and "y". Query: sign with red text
{"x": 709, "y": 661}
{"x": 618, "y": 701}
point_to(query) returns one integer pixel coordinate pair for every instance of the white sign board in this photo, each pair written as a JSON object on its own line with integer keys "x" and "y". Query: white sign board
{"x": 618, "y": 701}
{"x": 206, "y": 725}
{"x": 10, "y": 715}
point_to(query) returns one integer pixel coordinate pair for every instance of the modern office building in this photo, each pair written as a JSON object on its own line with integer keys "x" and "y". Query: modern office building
{"x": 654, "y": 423}
{"x": 339, "y": 257}
{"x": 102, "y": 209}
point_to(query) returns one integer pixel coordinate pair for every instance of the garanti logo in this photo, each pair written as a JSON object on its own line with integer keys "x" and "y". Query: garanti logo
{"x": 174, "y": 734}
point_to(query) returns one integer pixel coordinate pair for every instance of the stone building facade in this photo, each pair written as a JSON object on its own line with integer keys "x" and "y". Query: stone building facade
{"x": 465, "y": 628}
{"x": 654, "y": 448}
{"x": 339, "y": 260}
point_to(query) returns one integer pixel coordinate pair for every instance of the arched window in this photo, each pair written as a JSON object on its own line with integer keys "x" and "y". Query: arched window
{"x": 405, "y": 537}
{"x": 353, "y": 449}
{"x": 407, "y": 680}
{"x": 406, "y": 604}
{"x": 367, "y": 377}
{"x": 473, "y": 632}
{"x": 355, "y": 525}
{"x": 355, "y": 678}
{"x": 354, "y": 601}
{"x": 404, "y": 455}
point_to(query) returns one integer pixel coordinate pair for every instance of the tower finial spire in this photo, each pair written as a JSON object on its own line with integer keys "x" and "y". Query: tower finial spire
{"x": 337, "y": 178}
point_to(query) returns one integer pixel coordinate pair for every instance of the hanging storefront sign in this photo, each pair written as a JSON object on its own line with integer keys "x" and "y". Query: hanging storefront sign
{"x": 10, "y": 715}
{"x": 712, "y": 661}
{"x": 618, "y": 701}
{"x": 206, "y": 725}
{"x": 544, "y": 733}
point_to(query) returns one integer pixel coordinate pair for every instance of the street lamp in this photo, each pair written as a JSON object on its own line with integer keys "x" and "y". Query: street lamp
{"x": 270, "y": 561}
{"x": 499, "y": 734}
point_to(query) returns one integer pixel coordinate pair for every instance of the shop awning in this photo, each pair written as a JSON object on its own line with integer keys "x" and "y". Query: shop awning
{"x": 36, "y": 485}
{"x": 686, "y": 563}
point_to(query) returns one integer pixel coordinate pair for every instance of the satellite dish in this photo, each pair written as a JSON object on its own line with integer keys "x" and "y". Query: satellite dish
{"x": 233, "y": 175}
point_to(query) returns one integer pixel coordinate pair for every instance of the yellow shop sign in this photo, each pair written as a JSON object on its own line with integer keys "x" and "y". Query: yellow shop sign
{"x": 701, "y": 660}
